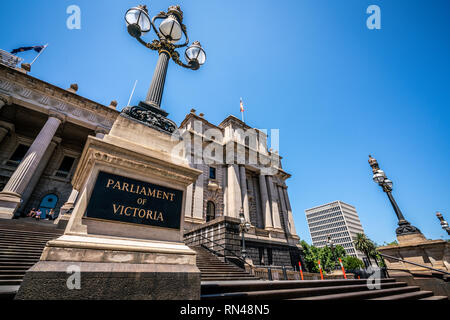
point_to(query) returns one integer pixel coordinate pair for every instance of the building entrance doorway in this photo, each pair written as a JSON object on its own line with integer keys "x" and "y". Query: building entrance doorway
{"x": 47, "y": 203}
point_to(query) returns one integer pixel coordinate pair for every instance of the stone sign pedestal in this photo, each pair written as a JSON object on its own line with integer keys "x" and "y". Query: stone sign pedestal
{"x": 124, "y": 239}
{"x": 416, "y": 248}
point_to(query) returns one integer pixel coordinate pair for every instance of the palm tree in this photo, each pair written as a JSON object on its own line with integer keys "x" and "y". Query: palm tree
{"x": 365, "y": 245}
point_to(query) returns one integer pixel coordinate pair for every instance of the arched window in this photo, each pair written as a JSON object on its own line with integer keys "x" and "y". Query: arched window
{"x": 47, "y": 203}
{"x": 210, "y": 211}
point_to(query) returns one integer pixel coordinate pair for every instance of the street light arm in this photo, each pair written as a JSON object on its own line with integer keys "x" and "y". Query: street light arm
{"x": 193, "y": 65}
{"x": 161, "y": 15}
{"x": 154, "y": 45}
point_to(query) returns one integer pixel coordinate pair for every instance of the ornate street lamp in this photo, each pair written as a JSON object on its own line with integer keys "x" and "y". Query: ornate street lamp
{"x": 404, "y": 227}
{"x": 244, "y": 227}
{"x": 169, "y": 33}
{"x": 330, "y": 244}
{"x": 444, "y": 223}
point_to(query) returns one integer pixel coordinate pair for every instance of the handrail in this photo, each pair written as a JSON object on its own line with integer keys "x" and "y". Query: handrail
{"x": 224, "y": 249}
{"x": 416, "y": 264}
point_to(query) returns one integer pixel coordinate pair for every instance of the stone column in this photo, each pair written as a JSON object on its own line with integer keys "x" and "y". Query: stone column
{"x": 225, "y": 189}
{"x": 274, "y": 204}
{"x": 5, "y": 128}
{"x": 39, "y": 170}
{"x": 65, "y": 210}
{"x": 189, "y": 192}
{"x": 265, "y": 205}
{"x": 283, "y": 212}
{"x": 2, "y": 103}
{"x": 234, "y": 191}
{"x": 100, "y": 132}
{"x": 70, "y": 203}
{"x": 289, "y": 212}
{"x": 11, "y": 196}
{"x": 198, "y": 195}
{"x": 244, "y": 193}
{"x": 3, "y": 133}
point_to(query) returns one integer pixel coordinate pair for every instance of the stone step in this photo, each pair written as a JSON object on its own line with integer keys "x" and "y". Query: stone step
{"x": 359, "y": 295}
{"x": 11, "y": 276}
{"x": 21, "y": 245}
{"x": 27, "y": 234}
{"x": 30, "y": 229}
{"x": 18, "y": 256}
{"x": 10, "y": 282}
{"x": 227, "y": 278}
{"x": 23, "y": 241}
{"x": 20, "y": 250}
{"x": 436, "y": 298}
{"x": 13, "y": 272}
{"x": 292, "y": 293}
{"x": 16, "y": 263}
{"x": 6, "y": 259}
{"x": 13, "y": 267}
{"x": 7, "y": 292}
{"x": 408, "y": 296}
{"x": 225, "y": 274}
{"x": 257, "y": 285}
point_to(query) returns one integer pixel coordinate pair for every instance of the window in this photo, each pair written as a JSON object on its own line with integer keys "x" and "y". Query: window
{"x": 18, "y": 155}
{"x": 210, "y": 211}
{"x": 65, "y": 167}
{"x": 212, "y": 173}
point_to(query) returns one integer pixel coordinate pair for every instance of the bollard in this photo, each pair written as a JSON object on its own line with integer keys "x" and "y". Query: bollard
{"x": 343, "y": 269}
{"x": 269, "y": 273}
{"x": 300, "y": 268}
{"x": 320, "y": 269}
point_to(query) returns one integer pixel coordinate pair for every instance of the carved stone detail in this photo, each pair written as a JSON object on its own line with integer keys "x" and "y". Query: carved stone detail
{"x": 150, "y": 118}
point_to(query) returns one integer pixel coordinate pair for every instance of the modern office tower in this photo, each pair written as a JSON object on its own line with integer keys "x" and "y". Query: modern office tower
{"x": 337, "y": 219}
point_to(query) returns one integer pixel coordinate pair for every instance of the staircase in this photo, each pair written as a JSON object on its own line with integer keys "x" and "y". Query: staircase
{"x": 21, "y": 245}
{"x": 313, "y": 290}
{"x": 214, "y": 269}
{"x": 22, "y": 242}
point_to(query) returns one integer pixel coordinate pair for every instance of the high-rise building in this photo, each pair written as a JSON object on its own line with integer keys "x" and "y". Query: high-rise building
{"x": 338, "y": 220}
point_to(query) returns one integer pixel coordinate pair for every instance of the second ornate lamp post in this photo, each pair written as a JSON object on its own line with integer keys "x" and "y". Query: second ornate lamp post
{"x": 170, "y": 31}
{"x": 404, "y": 227}
{"x": 244, "y": 227}
{"x": 330, "y": 244}
{"x": 444, "y": 223}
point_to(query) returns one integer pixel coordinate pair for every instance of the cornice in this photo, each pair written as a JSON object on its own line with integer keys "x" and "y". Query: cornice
{"x": 28, "y": 91}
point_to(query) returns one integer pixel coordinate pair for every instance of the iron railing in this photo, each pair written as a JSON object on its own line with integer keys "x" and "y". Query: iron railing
{"x": 252, "y": 268}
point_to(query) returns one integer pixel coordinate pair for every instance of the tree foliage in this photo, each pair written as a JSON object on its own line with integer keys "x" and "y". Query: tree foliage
{"x": 352, "y": 263}
{"x": 328, "y": 260}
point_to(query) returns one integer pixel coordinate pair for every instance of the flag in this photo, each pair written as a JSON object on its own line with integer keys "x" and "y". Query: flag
{"x": 242, "y": 106}
{"x": 22, "y": 49}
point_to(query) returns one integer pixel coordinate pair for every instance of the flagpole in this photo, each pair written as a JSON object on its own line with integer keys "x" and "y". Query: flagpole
{"x": 39, "y": 54}
{"x": 132, "y": 92}
{"x": 242, "y": 109}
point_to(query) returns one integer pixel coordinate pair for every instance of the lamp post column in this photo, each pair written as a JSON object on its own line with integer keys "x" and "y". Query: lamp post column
{"x": 397, "y": 210}
{"x": 155, "y": 92}
{"x": 404, "y": 227}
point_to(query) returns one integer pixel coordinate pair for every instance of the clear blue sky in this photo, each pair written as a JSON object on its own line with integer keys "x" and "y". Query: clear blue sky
{"x": 336, "y": 90}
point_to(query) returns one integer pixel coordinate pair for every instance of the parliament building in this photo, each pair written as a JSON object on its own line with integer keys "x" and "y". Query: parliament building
{"x": 43, "y": 130}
